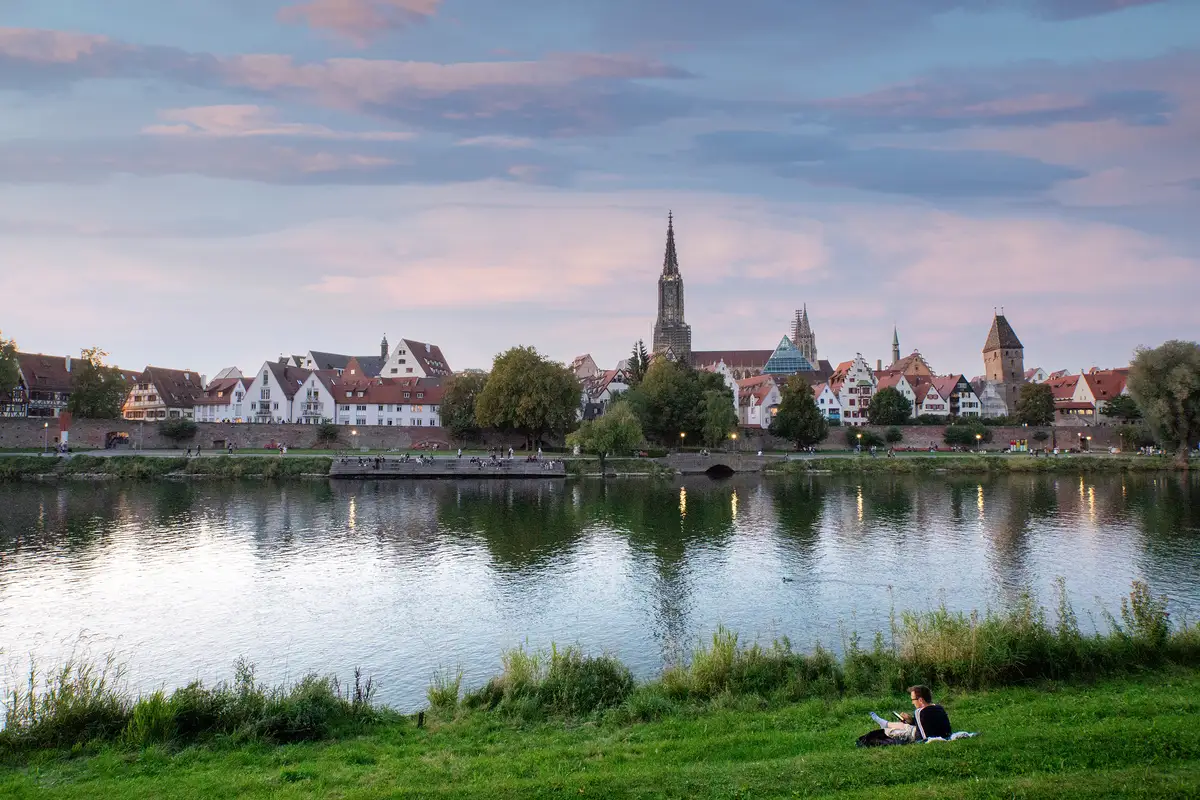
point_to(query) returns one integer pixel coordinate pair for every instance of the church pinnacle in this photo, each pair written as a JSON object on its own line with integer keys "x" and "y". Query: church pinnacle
{"x": 802, "y": 335}
{"x": 670, "y": 259}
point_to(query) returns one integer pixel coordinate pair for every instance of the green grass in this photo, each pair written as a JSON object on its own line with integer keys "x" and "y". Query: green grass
{"x": 1133, "y": 738}
{"x": 931, "y": 462}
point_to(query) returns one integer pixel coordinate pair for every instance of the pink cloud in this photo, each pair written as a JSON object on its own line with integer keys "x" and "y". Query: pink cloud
{"x": 50, "y": 47}
{"x": 252, "y": 120}
{"x": 360, "y": 20}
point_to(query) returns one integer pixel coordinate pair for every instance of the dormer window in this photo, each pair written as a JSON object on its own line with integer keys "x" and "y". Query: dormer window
{"x": 420, "y": 395}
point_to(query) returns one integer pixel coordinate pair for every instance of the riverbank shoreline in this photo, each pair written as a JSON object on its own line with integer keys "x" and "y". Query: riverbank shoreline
{"x": 85, "y": 467}
{"x": 1121, "y": 738}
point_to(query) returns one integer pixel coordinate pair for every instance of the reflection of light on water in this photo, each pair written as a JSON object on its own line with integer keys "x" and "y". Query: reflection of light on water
{"x": 1081, "y": 488}
{"x": 353, "y": 514}
{"x": 1092, "y": 502}
{"x": 979, "y": 500}
{"x": 682, "y": 501}
{"x": 860, "y": 510}
{"x": 733, "y": 504}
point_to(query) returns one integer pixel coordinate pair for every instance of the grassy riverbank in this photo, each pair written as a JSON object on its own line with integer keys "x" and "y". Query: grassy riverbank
{"x": 152, "y": 467}
{"x": 1131, "y": 738}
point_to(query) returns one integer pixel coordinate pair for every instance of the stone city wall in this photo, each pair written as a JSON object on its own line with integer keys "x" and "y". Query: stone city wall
{"x": 920, "y": 436}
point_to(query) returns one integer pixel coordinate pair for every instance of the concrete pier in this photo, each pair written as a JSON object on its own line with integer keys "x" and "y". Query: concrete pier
{"x": 391, "y": 467}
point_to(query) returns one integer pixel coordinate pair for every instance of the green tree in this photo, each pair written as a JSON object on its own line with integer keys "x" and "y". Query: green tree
{"x": 1165, "y": 383}
{"x": 720, "y": 417}
{"x": 1124, "y": 408}
{"x": 639, "y": 362}
{"x": 894, "y": 435}
{"x": 867, "y": 438}
{"x": 9, "y": 372}
{"x": 970, "y": 434}
{"x": 528, "y": 393}
{"x": 458, "y": 405}
{"x": 617, "y": 432}
{"x": 889, "y": 407}
{"x": 97, "y": 391}
{"x": 798, "y": 419}
{"x": 1036, "y": 406}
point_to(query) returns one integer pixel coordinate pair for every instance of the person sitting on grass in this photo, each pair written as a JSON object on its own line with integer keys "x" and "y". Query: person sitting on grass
{"x": 929, "y": 721}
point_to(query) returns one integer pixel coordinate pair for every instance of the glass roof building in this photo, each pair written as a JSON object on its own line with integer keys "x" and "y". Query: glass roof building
{"x": 786, "y": 360}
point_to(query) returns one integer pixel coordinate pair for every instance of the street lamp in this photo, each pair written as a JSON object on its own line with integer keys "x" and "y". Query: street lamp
{"x": 978, "y": 439}
{"x": 682, "y": 436}
{"x": 45, "y": 437}
{"x": 733, "y": 436}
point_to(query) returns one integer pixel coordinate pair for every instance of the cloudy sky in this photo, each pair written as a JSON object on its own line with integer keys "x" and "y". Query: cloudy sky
{"x": 202, "y": 183}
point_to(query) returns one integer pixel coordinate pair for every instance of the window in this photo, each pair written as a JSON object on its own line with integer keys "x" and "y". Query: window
{"x": 381, "y": 408}
{"x": 344, "y": 408}
{"x": 406, "y": 395}
{"x": 409, "y": 369}
{"x": 420, "y": 395}
{"x": 389, "y": 422}
{"x": 254, "y": 406}
{"x": 349, "y": 394}
{"x": 418, "y": 409}
{"x": 403, "y": 361}
{"x": 395, "y": 370}
{"x": 361, "y": 421}
{"x": 360, "y": 408}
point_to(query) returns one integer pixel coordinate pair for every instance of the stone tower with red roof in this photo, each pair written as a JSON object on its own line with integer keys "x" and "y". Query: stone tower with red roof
{"x": 1004, "y": 361}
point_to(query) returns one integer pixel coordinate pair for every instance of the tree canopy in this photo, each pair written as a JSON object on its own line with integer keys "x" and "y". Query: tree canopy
{"x": 97, "y": 391}
{"x": 720, "y": 417}
{"x": 1124, "y": 408}
{"x": 527, "y": 392}
{"x": 889, "y": 407}
{"x": 1165, "y": 383}
{"x": 1036, "y": 405}
{"x": 639, "y": 362}
{"x": 617, "y": 432}
{"x": 798, "y": 419}
{"x": 9, "y": 369}
{"x": 671, "y": 400}
{"x": 458, "y": 405}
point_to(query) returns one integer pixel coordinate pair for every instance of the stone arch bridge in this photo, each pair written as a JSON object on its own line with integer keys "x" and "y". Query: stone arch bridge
{"x": 717, "y": 463}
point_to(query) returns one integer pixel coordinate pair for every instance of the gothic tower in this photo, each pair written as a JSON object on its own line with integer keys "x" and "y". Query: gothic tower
{"x": 803, "y": 337}
{"x": 383, "y": 348}
{"x": 895, "y": 345}
{"x": 1004, "y": 360}
{"x": 672, "y": 335}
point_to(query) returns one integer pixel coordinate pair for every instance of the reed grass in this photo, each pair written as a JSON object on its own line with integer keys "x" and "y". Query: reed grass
{"x": 83, "y": 703}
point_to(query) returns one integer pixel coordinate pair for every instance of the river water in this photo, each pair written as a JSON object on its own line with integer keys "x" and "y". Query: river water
{"x": 401, "y": 578}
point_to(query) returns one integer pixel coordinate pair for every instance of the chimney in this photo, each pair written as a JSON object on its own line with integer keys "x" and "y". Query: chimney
{"x": 67, "y": 361}
{"x": 203, "y": 381}
{"x": 879, "y": 365}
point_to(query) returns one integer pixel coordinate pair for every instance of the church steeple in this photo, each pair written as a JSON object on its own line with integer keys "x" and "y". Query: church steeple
{"x": 803, "y": 337}
{"x": 671, "y": 334}
{"x": 895, "y": 344}
{"x": 670, "y": 259}
{"x": 383, "y": 348}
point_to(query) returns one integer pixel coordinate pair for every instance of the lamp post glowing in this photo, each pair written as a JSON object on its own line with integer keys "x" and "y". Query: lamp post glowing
{"x": 859, "y": 435}
{"x": 978, "y": 439}
{"x": 45, "y": 437}
{"x": 682, "y": 436}
{"x": 733, "y": 436}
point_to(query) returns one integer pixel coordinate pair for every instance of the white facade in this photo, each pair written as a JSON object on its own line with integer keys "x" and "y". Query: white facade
{"x": 412, "y": 359}
{"x": 1036, "y": 375}
{"x": 269, "y": 400}
{"x": 901, "y": 385}
{"x": 932, "y": 402}
{"x": 855, "y": 388}
{"x": 386, "y": 403}
{"x": 828, "y": 403}
{"x": 315, "y": 403}
{"x": 228, "y": 405}
{"x": 759, "y": 398}
{"x": 726, "y": 374}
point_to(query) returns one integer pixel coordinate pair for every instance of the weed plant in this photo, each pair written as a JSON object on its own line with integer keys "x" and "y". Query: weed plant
{"x": 561, "y": 681}
{"x": 83, "y": 704}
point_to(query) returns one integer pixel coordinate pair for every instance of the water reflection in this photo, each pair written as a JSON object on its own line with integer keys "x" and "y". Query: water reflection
{"x": 400, "y": 577}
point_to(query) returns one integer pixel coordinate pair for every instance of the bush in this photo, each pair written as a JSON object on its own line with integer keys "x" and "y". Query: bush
{"x": 967, "y": 434}
{"x": 931, "y": 419}
{"x": 444, "y": 690}
{"x": 327, "y": 432}
{"x": 177, "y": 430}
{"x": 867, "y": 438}
{"x": 894, "y": 435}
{"x": 533, "y": 684}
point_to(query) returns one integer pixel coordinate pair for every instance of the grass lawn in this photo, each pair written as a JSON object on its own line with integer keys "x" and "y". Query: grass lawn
{"x": 1137, "y": 737}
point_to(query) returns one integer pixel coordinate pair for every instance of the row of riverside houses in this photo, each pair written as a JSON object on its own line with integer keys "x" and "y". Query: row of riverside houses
{"x": 399, "y": 387}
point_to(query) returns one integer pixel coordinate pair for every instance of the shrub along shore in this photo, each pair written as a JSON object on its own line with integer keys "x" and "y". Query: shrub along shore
{"x": 147, "y": 467}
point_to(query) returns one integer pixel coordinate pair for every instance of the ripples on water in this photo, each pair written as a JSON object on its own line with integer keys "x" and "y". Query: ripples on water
{"x": 401, "y": 578}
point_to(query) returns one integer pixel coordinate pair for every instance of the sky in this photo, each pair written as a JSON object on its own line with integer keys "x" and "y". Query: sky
{"x": 206, "y": 183}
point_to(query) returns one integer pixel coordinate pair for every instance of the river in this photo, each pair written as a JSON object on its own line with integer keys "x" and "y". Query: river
{"x": 401, "y": 578}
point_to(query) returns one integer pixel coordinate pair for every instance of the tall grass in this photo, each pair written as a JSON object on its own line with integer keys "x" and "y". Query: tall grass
{"x": 84, "y": 703}
{"x": 558, "y": 681}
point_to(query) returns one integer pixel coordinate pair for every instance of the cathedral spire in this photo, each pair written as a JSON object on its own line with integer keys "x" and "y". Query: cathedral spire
{"x": 895, "y": 344}
{"x": 670, "y": 259}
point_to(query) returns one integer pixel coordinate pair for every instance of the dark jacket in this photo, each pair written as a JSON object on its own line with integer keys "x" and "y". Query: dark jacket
{"x": 933, "y": 721}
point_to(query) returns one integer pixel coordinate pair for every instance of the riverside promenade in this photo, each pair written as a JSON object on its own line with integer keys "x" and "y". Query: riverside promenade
{"x": 381, "y": 467}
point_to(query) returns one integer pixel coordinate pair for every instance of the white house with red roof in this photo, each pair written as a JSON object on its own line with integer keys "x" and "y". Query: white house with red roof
{"x": 391, "y": 402}
{"x": 413, "y": 359}
{"x": 1098, "y": 386}
{"x": 726, "y": 373}
{"x": 854, "y": 383}
{"x": 758, "y": 400}
{"x": 894, "y": 379}
{"x": 223, "y": 400}
{"x": 828, "y": 403}
{"x": 930, "y": 400}
{"x": 962, "y": 400}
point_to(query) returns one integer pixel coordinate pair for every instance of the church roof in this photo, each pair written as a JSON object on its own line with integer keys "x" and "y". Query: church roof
{"x": 734, "y": 359}
{"x": 1002, "y": 336}
{"x": 786, "y": 360}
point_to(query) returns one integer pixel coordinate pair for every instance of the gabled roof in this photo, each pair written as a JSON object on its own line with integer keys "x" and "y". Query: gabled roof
{"x": 890, "y": 379}
{"x": 219, "y": 392}
{"x": 430, "y": 358}
{"x": 755, "y": 389}
{"x": 393, "y": 391}
{"x": 946, "y": 385}
{"x": 44, "y": 373}
{"x": 365, "y": 366}
{"x": 1029, "y": 373}
{"x": 177, "y": 388}
{"x": 328, "y": 360}
{"x": 911, "y": 364}
{"x": 1002, "y": 336}
{"x": 289, "y": 378}
{"x": 1105, "y": 384}
{"x": 1063, "y": 388}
